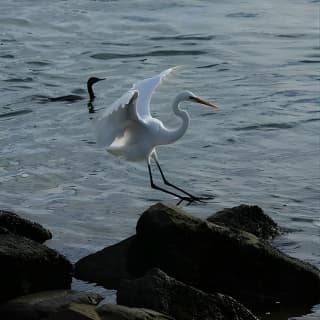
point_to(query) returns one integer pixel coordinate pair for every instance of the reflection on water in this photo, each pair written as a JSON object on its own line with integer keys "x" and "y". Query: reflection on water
{"x": 14, "y": 113}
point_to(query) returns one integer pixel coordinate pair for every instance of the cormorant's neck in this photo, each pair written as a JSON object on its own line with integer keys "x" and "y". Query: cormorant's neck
{"x": 90, "y": 91}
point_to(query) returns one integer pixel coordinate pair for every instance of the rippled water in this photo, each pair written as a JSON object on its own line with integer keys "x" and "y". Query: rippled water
{"x": 258, "y": 60}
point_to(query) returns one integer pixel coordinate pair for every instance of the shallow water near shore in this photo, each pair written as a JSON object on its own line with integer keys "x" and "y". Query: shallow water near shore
{"x": 258, "y": 61}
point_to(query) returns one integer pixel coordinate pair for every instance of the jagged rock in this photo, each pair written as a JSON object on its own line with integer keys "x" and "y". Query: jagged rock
{"x": 107, "y": 266}
{"x": 160, "y": 292}
{"x": 248, "y": 218}
{"x": 118, "y": 312}
{"x": 214, "y": 258}
{"x": 46, "y": 303}
{"x": 23, "y": 227}
{"x": 4, "y": 231}
{"x": 76, "y": 311}
{"x": 207, "y": 256}
{"x": 27, "y": 266}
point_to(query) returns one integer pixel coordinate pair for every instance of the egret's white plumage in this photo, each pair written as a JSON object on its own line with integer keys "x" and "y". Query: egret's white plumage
{"x": 128, "y": 129}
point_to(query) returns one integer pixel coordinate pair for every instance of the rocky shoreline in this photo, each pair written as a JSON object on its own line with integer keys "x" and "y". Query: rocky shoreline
{"x": 176, "y": 266}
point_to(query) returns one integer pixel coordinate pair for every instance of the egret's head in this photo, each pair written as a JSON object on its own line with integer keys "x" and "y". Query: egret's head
{"x": 189, "y": 96}
{"x": 93, "y": 80}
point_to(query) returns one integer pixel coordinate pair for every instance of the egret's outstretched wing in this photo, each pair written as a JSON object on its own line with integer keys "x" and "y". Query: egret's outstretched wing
{"x": 128, "y": 111}
{"x": 114, "y": 121}
{"x": 146, "y": 88}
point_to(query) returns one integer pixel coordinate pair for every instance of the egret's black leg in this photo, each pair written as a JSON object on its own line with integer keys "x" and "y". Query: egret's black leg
{"x": 91, "y": 107}
{"x": 193, "y": 198}
{"x": 154, "y": 186}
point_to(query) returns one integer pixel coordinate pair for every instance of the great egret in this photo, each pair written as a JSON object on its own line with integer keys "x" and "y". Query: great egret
{"x": 129, "y": 130}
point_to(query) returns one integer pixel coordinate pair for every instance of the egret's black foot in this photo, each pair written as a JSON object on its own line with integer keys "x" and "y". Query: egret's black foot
{"x": 189, "y": 200}
{"x": 193, "y": 199}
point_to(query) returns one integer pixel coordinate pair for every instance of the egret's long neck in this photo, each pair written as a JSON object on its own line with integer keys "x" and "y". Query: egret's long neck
{"x": 175, "y": 134}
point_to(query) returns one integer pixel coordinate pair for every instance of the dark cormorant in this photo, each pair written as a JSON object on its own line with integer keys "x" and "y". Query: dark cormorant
{"x": 68, "y": 98}
{"x": 73, "y": 98}
{"x": 91, "y": 81}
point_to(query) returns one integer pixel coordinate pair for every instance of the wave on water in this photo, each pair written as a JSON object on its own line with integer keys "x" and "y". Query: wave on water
{"x": 275, "y": 125}
{"x": 214, "y": 65}
{"x": 183, "y": 37}
{"x": 309, "y": 61}
{"x": 7, "y": 56}
{"x": 26, "y": 79}
{"x": 15, "y": 113}
{"x": 165, "y": 53}
{"x": 242, "y": 15}
{"x": 291, "y": 36}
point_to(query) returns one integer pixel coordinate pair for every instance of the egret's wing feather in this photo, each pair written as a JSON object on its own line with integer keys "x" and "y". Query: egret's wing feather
{"x": 146, "y": 88}
{"x": 128, "y": 110}
{"x": 113, "y": 122}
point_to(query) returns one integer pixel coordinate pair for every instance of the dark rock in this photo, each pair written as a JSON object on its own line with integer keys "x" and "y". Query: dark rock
{"x": 106, "y": 267}
{"x": 27, "y": 266}
{"x": 75, "y": 311}
{"x": 160, "y": 292}
{"x": 45, "y": 303}
{"x": 207, "y": 256}
{"x": 4, "y": 231}
{"x": 248, "y": 218}
{"x": 118, "y": 312}
{"x": 23, "y": 227}
{"x": 214, "y": 258}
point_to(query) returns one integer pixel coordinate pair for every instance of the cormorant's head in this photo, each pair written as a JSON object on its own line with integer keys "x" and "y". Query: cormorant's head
{"x": 93, "y": 80}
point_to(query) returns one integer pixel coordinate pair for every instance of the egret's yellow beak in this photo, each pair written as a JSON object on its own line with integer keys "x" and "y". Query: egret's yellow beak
{"x": 196, "y": 99}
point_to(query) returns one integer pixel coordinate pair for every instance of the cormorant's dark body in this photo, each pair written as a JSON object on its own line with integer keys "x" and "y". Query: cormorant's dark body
{"x": 74, "y": 98}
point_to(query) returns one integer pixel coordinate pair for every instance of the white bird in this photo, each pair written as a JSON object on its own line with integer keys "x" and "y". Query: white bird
{"x": 128, "y": 129}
